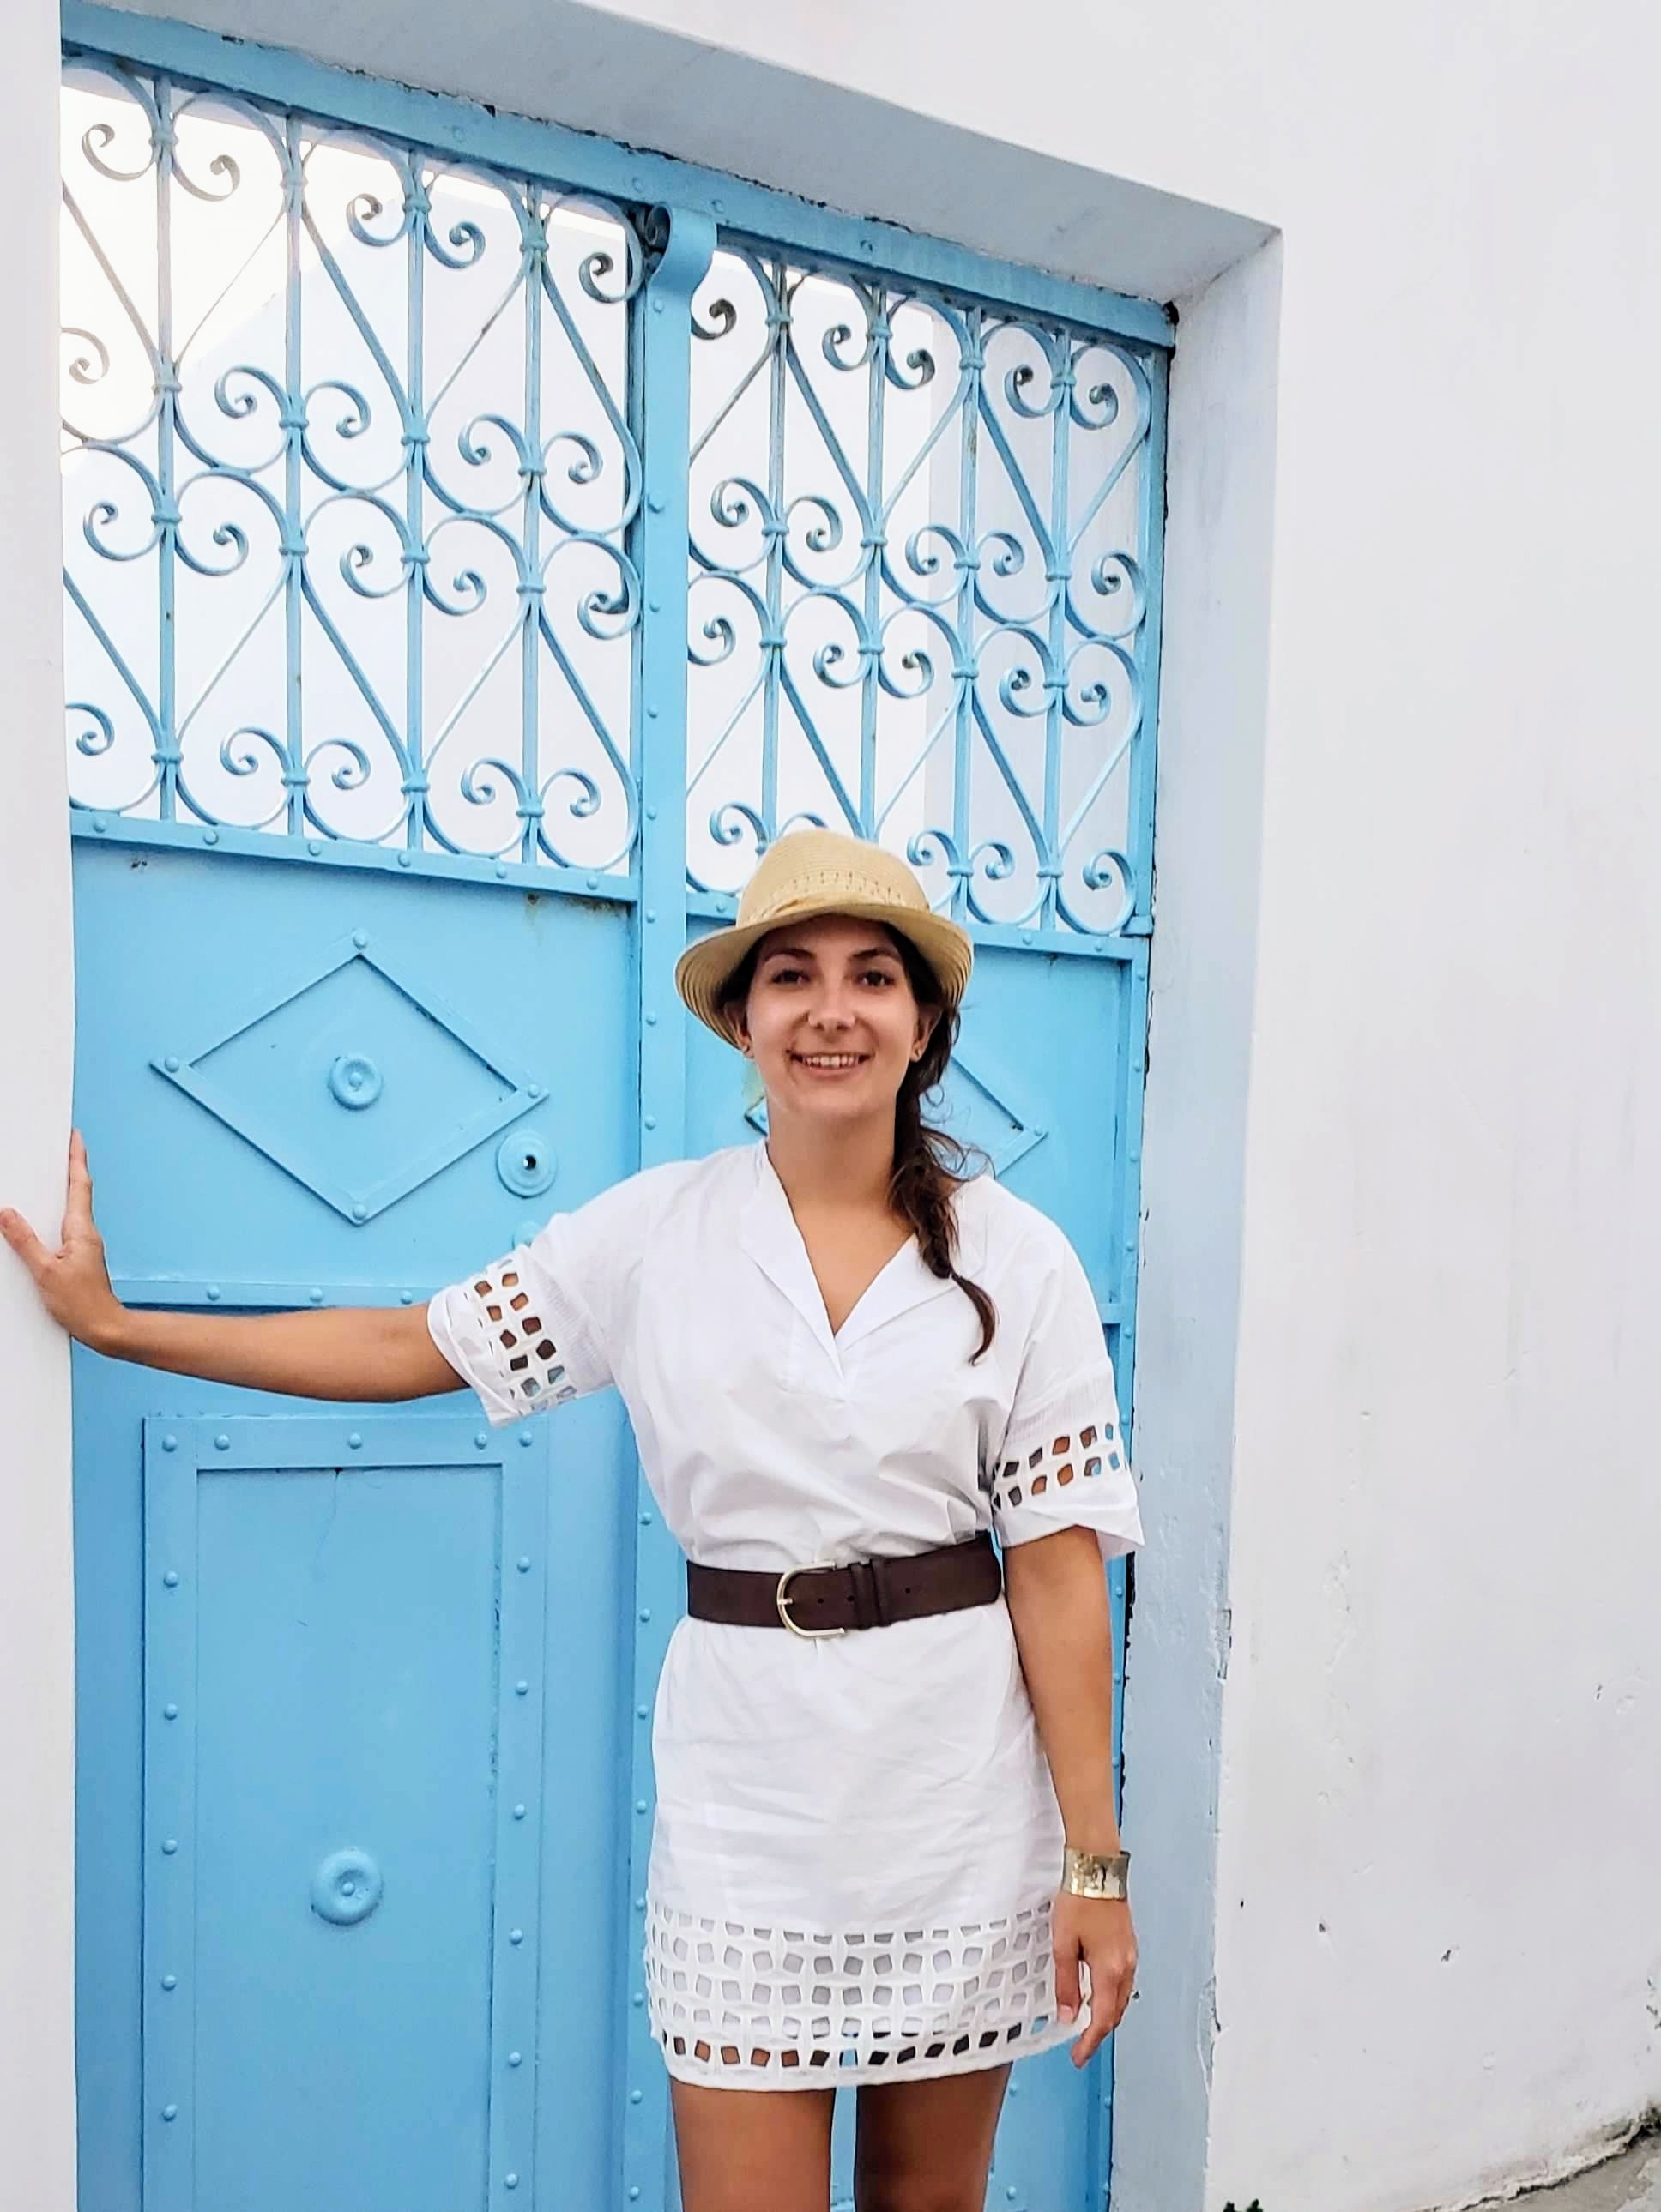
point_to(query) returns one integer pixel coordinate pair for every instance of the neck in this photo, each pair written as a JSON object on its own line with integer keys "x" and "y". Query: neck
{"x": 849, "y": 1166}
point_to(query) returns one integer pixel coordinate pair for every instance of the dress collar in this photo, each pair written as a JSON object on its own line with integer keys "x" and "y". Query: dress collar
{"x": 768, "y": 1232}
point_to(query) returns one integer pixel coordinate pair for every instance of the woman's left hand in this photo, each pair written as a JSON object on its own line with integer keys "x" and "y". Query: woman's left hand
{"x": 1098, "y": 1931}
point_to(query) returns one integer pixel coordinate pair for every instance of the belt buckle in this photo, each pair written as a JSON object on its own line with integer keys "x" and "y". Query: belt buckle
{"x": 780, "y": 1598}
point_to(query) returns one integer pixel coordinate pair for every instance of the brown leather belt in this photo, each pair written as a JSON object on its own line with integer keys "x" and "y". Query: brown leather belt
{"x": 828, "y": 1600}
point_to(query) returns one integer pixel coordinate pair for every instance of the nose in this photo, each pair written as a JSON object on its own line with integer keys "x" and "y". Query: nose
{"x": 833, "y": 1006}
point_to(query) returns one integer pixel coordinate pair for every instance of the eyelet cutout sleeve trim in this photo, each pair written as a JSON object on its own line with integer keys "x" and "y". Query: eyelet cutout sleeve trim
{"x": 1067, "y": 1467}
{"x": 517, "y": 1335}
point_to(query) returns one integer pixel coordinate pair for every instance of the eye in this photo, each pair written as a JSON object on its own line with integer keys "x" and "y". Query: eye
{"x": 877, "y": 975}
{"x": 785, "y": 975}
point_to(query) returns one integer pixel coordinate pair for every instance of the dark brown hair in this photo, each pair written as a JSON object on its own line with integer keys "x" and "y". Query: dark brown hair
{"x": 929, "y": 1164}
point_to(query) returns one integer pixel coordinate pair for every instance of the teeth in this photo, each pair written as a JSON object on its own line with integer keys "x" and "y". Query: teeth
{"x": 828, "y": 1058}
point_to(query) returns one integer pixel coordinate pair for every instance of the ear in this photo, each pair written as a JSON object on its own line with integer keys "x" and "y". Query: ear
{"x": 927, "y": 1018}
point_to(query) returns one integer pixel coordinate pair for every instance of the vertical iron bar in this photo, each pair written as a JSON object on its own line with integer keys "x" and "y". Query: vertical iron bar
{"x": 1054, "y": 728}
{"x": 293, "y": 734}
{"x": 967, "y": 671}
{"x": 661, "y": 365}
{"x": 415, "y": 464}
{"x": 772, "y": 644}
{"x": 870, "y": 670}
{"x": 536, "y": 264}
{"x": 167, "y": 699}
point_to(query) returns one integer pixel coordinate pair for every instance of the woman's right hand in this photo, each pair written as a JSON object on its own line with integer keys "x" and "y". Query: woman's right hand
{"x": 74, "y": 1282}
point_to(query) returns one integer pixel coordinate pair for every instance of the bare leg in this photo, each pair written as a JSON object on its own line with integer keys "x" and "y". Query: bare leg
{"x": 926, "y": 2146}
{"x": 752, "y": 2150}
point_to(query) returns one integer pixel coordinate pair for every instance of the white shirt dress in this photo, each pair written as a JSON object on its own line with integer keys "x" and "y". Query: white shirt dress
{"x": 856, "y": 1841}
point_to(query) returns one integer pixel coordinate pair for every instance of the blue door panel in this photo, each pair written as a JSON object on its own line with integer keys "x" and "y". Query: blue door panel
{"x": 409, "y": 1075}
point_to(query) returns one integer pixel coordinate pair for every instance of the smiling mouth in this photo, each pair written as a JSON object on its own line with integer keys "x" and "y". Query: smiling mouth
{"x": 829, "y": 1060}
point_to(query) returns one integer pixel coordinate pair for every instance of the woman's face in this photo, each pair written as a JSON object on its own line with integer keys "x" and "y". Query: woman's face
{"x": 831, "y": 1020}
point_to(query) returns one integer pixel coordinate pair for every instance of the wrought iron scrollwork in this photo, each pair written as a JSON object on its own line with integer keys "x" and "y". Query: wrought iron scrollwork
{"x": 350, "y": 481}
{"x": 918, "y": 605}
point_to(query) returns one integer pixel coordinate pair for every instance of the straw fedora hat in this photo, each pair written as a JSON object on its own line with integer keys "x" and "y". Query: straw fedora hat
{"x": 814, "y": 872}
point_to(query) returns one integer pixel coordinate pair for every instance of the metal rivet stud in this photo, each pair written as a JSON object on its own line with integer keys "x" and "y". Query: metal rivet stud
{"x": 634, "y": 2194}
{"x": 655, "y": 606}
{"x": 404, "y": 859}
{"x": 315, "y": 1295}
{"x": 657, "y": 306}
{"x": 515, "y": 2058}
{"x": 651, "y": 913}
{"x": 211, "y": 836}
{"x": 100, "y": 825}
{"x": 519, "y": 1812}
{"x": 313, "y": 846}
{"x": 639, "y": 1905}
{"x": 526, "y": 1438}
{"x": 501, "y": 868}
{"x": 646, "y": 1612}
{"x": 642, "y": 1712}
{"x": 651, "y": 713}
{"x": 171, "y": 1063}
{"x": 170, "y": 1443}
{"x": 639, "y": 1997}
{"x": 522, "y": 1689}
{"x": 169, "y": 1846}
{"x": 533, "y": 1090}
{"x": 645, "y": 1520}
{"x": 640, "y": 1804}
{"x": 213, "y": 1294}
{"x": 516, "y": 1935}
{"x": 170, "y": 2112}
{"x": 221, "y": 1441}
{"x": 592, "y": 882}
{"x": 170, "y": 1981}
{"x": 354, "y": 1440}
{"x": 481, "y": 1439}
{"x": 360, "y": 938}
{"x": 655, "y": 502}
{"x": 406, "y": 1297}
{"x": 651, "y": 1021}
{"x": 170, "y": 1712}
{"x": 524, "y": 1563}
{"x": 360, "y": 1212}
{"x": 510, "y": 2181}
{"x": 171, "y": 1579}
{"x": 651, "y": 1121}
{"x": 635, "y": 2096}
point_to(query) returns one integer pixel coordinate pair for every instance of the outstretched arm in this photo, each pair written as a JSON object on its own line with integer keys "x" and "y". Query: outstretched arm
{"x": 354, "y": 1352}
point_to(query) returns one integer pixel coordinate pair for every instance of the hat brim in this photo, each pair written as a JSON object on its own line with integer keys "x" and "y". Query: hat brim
{"x": 704, "y": 969}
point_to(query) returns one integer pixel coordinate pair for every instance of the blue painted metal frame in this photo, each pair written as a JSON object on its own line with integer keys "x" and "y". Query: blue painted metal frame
{"x": 661, "y": 384}
{"x": 691, "y": 202}
{"x": 176, "y": 1454}
{"x": 518, "y": 142}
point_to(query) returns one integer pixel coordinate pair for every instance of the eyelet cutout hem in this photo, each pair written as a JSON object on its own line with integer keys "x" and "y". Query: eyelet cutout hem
{"x": 746, "y": 2005}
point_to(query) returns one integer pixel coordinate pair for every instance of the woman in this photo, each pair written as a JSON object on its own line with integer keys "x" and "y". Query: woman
{"x": 885, "y": 1853}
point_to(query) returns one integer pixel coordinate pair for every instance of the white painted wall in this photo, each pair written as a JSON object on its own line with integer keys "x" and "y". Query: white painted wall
{"x": 36, "y": 1681}
{"x": 1395, "y": 1408}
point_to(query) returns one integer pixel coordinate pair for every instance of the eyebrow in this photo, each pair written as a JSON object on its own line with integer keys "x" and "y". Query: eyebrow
{"x": 801, "y": 952}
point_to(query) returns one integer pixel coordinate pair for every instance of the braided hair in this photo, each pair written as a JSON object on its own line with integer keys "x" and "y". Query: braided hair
{"x": 929, "y": 1164}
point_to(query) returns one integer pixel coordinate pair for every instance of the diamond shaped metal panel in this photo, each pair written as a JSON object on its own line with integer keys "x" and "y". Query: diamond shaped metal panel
{"x": 976, "y": 1111}
{"x": 354, "y": 1080}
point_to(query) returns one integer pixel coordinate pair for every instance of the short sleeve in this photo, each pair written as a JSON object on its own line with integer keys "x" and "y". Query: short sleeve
{"x": 1063, "y": 1463}
{"x": 537, "y": 1327}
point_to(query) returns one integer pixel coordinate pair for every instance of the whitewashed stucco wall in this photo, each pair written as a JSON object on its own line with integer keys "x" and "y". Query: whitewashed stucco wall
{"x": 1395, "y": 1405}
{"x": 37, "y": 1691}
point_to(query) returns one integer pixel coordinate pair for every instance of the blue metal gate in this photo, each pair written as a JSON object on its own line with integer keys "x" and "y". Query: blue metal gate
{"x": 482, "y": 542}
